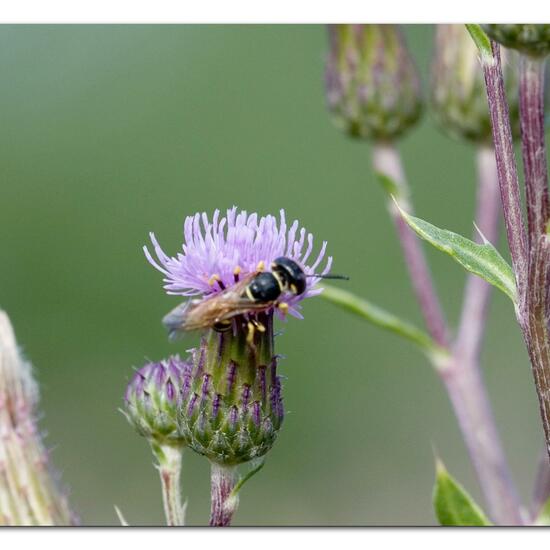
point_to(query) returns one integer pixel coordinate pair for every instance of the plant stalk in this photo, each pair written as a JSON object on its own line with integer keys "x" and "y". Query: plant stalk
{"x": 533, "y": 147}
{"x": 507, "y": 171}
{"x": 461, "y": 374}
{"x": 387, "y": 161}
{"x": 169, "y": 459}
{"x": 533, "y": 278}
{"x": 463, "y": 377}
{"x": 223, "y": 503}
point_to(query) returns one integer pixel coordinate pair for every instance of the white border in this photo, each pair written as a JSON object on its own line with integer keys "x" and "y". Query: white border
{"x": 274, "y": 11}
{"x": 267, "y": 539}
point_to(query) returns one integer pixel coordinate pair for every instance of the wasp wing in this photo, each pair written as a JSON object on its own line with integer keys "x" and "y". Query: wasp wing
{"x": 200, "y": 314}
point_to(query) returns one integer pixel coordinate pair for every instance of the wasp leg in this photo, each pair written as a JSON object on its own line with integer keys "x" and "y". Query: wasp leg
{"x": 250, "y": 335}
{"x": 283, "y": 306}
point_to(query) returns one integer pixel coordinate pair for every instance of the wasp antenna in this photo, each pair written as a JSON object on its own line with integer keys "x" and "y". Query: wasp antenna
{"x": 328, "y": 276}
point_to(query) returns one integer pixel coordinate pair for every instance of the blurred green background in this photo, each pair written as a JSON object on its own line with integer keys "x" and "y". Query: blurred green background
{"x": 108, "y": 132}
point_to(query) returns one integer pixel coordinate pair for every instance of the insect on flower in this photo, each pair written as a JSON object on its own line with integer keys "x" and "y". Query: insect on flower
{"x": 223, "y": 270}
{"x": 256, "y": 292}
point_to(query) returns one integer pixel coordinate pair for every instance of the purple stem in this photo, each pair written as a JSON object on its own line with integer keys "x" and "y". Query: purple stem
{"x": 507, "y": 171}
{"x": 463, "y": 377}
{"x": 534, "y": 279}
{"x": 387, "y": 161}
{"x": 533, "y": 148}
{"x": 223, "y": 506}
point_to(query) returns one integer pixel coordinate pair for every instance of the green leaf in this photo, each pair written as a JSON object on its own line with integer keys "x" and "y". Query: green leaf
{"x": 482, "y": 42}
{"x": 543, "y": 517}
{"x": 381, "y": 318}
{"x": 481, "y": 259}
{"x": 453, "y": 505}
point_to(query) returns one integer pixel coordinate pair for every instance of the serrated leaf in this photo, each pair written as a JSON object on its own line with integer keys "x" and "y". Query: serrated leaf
{"x": 452, "y": 504}
{"x": 381, "y": 318}
{"x": 483, "y": 260}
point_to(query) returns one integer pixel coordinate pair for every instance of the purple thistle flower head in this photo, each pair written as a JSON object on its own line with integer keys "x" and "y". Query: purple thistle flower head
{"x": 238, "y": 240}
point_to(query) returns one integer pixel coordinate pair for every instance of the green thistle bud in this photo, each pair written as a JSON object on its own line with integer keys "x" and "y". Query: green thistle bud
{"x": 372, "y": 85}
{"x": 232, "y": 407}
{"x": 458, "y": 97}
{"x": 152, "y": 399}
{"x": 533, "y": 40}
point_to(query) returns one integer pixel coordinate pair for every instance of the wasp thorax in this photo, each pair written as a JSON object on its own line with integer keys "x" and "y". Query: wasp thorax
{"x": 231, "y": 408}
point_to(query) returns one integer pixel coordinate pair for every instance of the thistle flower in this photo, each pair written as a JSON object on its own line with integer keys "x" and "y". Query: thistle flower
{"x": 230, "y": 406}
{"x": 214, "y": 250}
{"x": 372, "y": 85}
{"x": 29, "y": 489}
{"x": 458, "y": 97}
{"x": 533, "y": 40}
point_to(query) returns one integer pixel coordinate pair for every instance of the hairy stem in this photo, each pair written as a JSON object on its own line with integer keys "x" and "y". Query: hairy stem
{"x": 531, "y": 95}
{"x": 387, "y": 161}
{"x": 507, "y": 171}
{"x": 532, "y": 278}
{"x": 223, "y": 504}
{"x": 463, "y": 378}
{"x": 169, "y": 459}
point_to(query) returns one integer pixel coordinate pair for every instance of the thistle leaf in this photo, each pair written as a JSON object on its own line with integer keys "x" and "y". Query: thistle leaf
{"x": 482, "y": 41}
{"x": 452, "y": 504}
{"x": 381, "y": 318}
{"x": 483, "y": 260}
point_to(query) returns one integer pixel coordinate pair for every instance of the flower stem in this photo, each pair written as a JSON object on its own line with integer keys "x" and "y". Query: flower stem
{"x": 507, "y": 170}
{"x": 169, "y": 459}
{"x": 223, "y": 504}
{"x": 387, "y": 161}
{"x": 461, "y": 374}
{"x": 533, "y": 278}
{"x": 531, "y": 95}
{"x": 463, "y": 377}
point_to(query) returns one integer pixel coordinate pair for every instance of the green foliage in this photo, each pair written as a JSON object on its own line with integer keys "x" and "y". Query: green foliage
{"x": 482, "y": 41}
{"x": 452, "y": 504}
{"x": 543, "y": 517}
{"x": 381, "y": 318}
{"x": 483, "y": 260}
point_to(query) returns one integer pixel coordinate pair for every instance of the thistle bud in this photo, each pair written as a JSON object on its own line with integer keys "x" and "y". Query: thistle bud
{"x": 533, "y": 40}
{"x": 458, "y": 97}
{"x": 232, "y": 405}
{"x": 29, "y": 489}
{"x": 372, "y": 85}
{"x": 152, "y": 399}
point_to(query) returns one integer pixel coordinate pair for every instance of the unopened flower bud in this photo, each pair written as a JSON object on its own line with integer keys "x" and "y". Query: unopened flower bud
{"x": 458, "y": 97}
{"x": 152, "y": 399}
{"x": 533, "y": 40}
{"x": 29, "y": 488}
{"x": 232, "y": 405}
{"x": 372, "y": 85}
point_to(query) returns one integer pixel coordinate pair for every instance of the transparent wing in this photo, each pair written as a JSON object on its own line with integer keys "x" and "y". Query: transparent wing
{"x": 199, "y": 314}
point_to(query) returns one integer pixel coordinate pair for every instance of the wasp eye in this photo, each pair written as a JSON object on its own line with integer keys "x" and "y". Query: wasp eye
{"x": 291, "y": 273}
